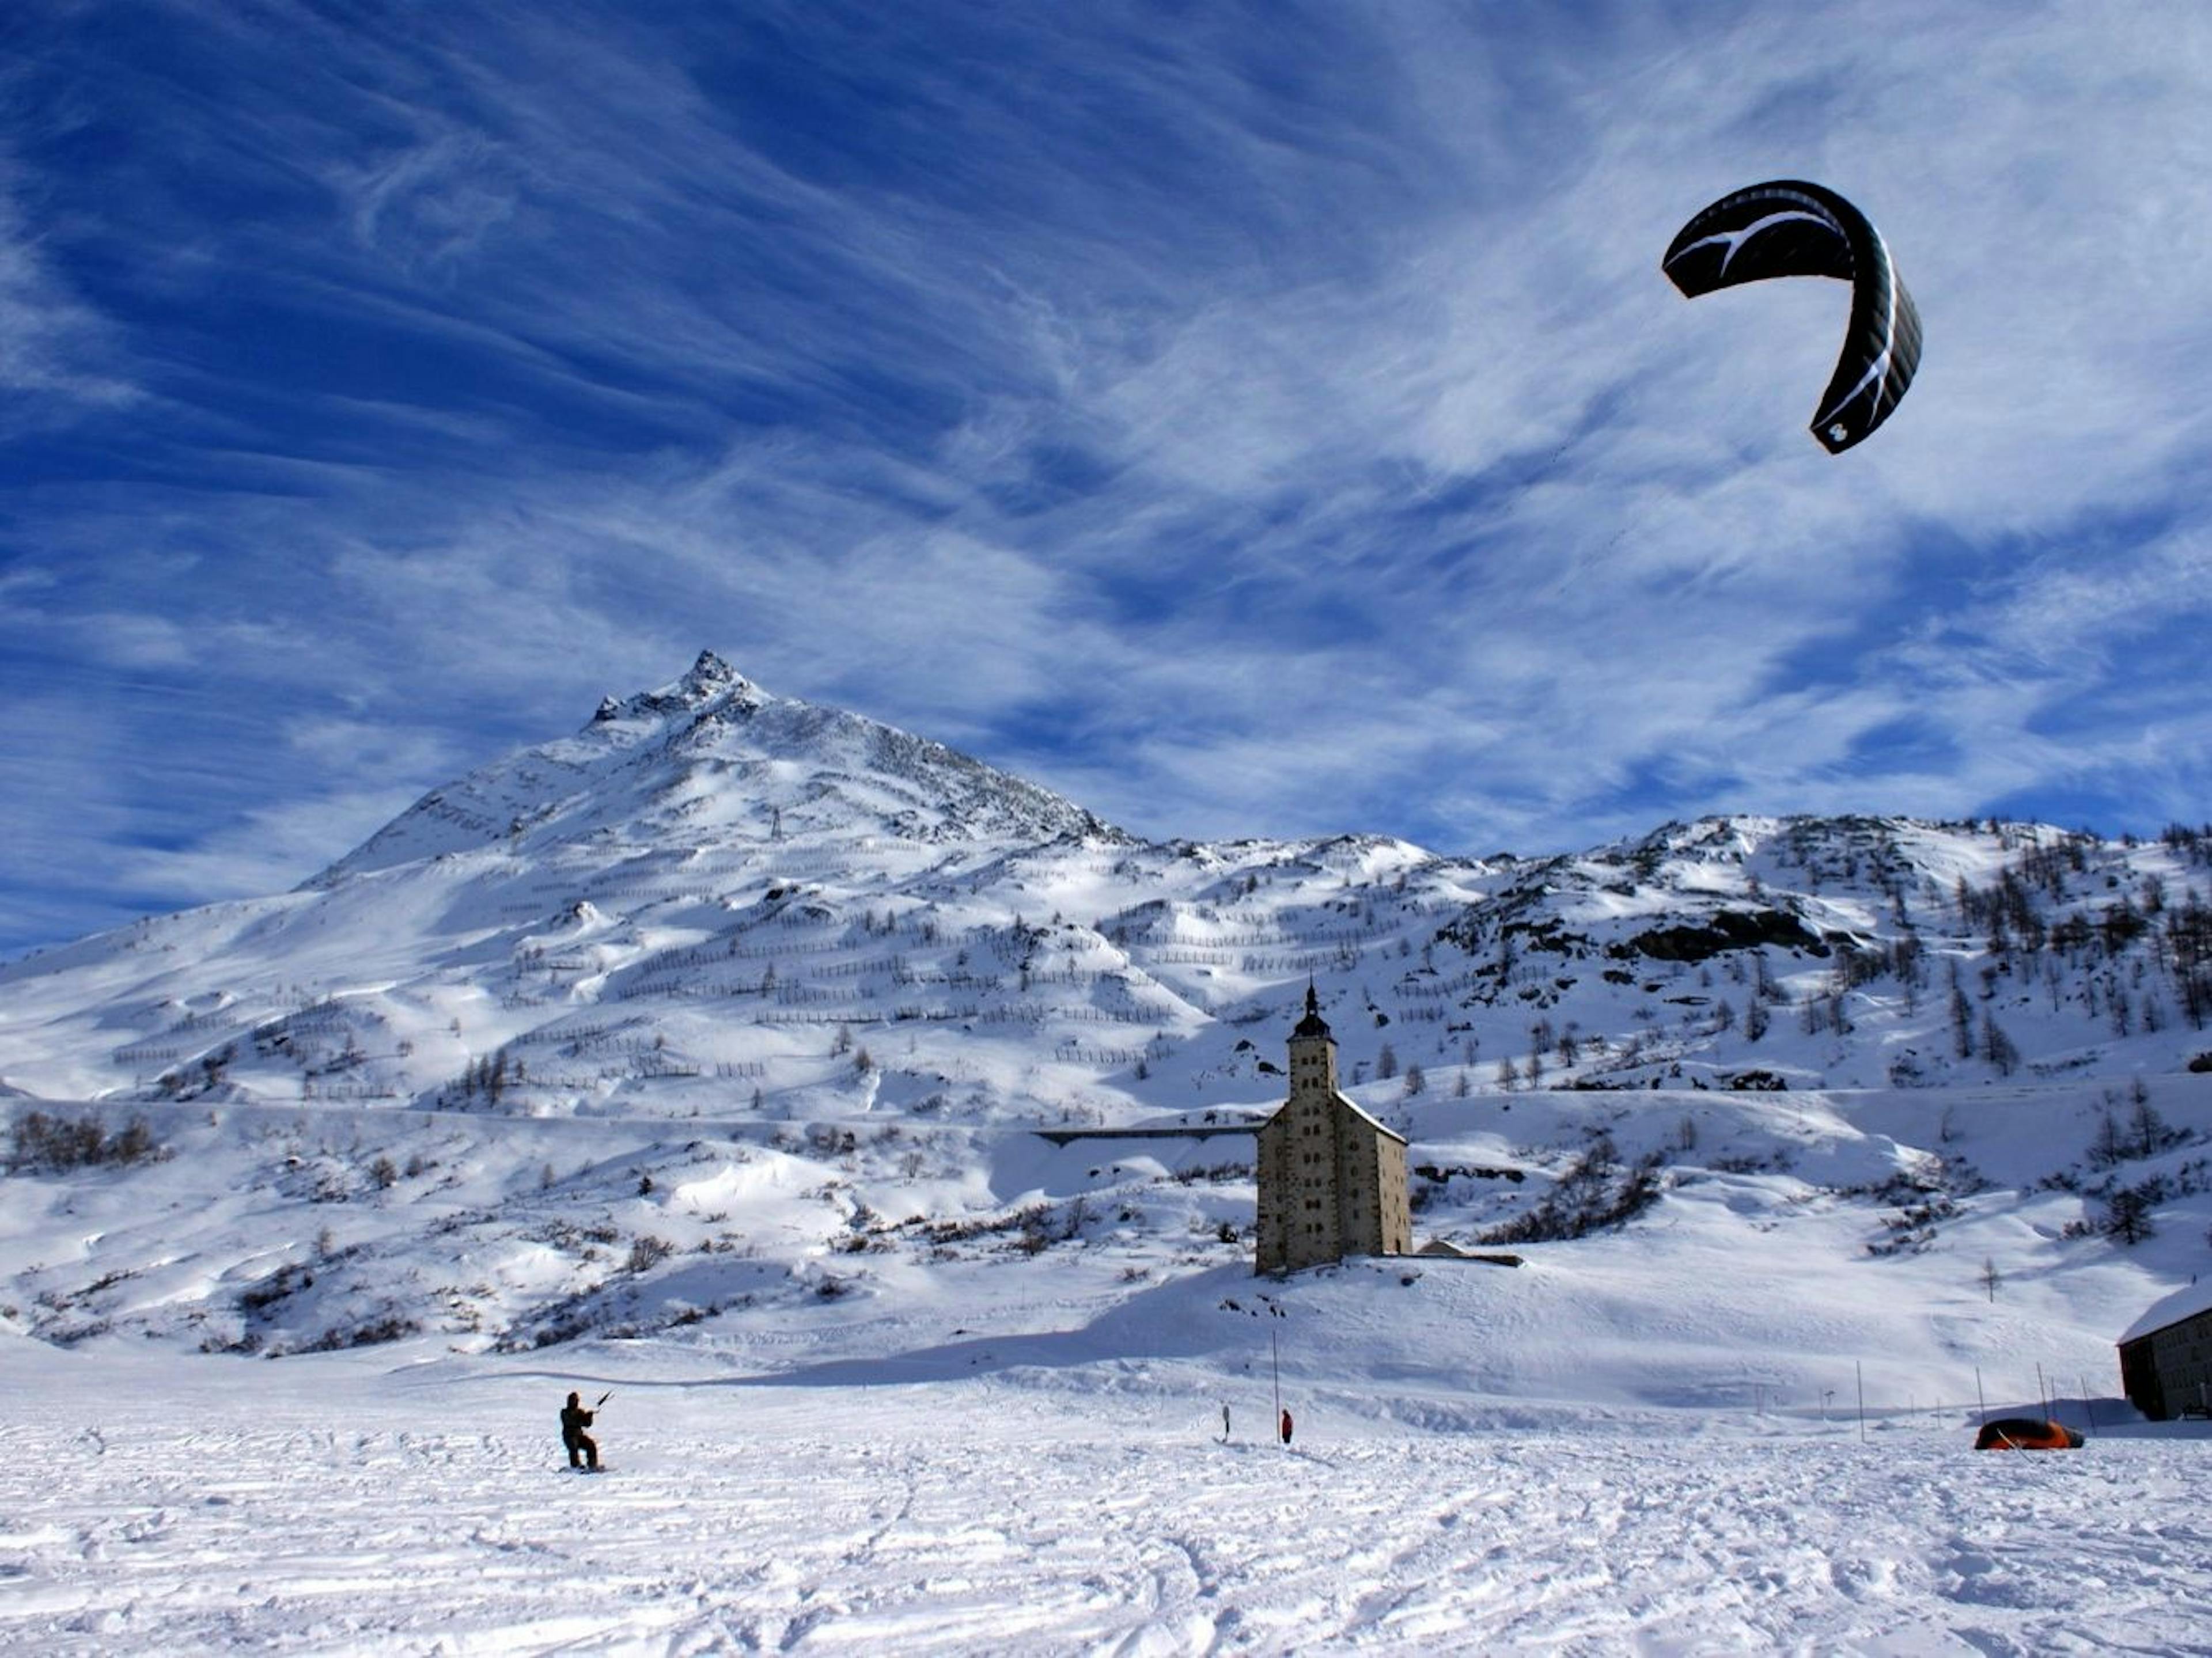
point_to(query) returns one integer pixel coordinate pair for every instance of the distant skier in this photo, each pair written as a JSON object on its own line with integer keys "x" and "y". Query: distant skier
{"x": 1286, "y": 1427}
{"x": 574, "y": 1418}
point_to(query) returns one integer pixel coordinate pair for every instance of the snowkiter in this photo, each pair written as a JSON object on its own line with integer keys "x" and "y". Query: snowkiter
{"x": 583, "y": 1449}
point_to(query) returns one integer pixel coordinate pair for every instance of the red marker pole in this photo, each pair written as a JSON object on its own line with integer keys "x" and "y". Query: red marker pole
{"x": 1275, "y": 1354}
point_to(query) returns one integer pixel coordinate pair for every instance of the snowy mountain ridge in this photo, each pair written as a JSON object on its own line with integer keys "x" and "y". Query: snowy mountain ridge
{"x": 713, "y": 755}
{"x": 768, "y": 1031}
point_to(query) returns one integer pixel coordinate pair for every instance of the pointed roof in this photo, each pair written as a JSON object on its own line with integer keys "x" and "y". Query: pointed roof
{"x": 1313, "y": 1025}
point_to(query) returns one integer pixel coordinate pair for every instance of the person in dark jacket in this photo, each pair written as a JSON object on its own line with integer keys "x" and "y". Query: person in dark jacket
{"x": 574, "y": 1418}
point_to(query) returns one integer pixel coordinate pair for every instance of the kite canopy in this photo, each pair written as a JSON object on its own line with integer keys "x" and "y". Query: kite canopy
{"x": 1791, "y": 229}
{"x": 2027, "y": 1433}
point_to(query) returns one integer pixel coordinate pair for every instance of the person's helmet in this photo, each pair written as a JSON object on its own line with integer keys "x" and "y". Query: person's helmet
{"x": 573, "y": 1398}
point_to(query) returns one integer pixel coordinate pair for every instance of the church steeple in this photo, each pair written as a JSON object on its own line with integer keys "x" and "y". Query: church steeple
{"x": 1313, "y": 1051}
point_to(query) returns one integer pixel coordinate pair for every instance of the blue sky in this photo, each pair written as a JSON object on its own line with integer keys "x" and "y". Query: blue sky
{"x": 1259, "y": 419}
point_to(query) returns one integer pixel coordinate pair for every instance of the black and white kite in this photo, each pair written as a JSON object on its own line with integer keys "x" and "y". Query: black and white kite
{"x": 1790, "y": 229}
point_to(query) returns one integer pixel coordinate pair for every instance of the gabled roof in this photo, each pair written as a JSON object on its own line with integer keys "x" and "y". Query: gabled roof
{"x": 2172, "y": 1310}
{"x": 1379, "y": 1128}
{"x": 1352, "y": 1106}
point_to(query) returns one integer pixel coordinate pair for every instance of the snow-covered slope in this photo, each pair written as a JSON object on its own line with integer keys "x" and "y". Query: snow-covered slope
{"x": 738, "y": 1020}
{"x": 737, "y": 1041}
{"x": 712, "y": 757}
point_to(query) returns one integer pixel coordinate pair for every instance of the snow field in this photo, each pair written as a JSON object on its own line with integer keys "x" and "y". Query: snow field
{"x": 331, "y": 1505}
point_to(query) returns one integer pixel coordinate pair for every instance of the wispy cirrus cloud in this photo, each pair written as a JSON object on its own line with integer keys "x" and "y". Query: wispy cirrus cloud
{"x": 1267, "y": 420}
{"x": 57, "y": 357}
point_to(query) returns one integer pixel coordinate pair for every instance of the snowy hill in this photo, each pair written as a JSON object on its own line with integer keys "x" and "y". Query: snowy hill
{"x": 734, "y": 1020}
{"x": 734, "y": 1042}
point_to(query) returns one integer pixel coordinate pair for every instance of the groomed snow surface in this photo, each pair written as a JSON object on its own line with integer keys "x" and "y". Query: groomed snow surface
{"x": 345, "y": 1503}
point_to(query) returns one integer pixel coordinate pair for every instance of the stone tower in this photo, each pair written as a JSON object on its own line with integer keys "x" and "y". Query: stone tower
{"x": 1332, "y": 1179}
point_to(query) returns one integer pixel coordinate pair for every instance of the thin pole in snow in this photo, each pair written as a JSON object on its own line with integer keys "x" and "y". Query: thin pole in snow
{"x": 2088, "y": 1404}
{"x": 1981, "y": 1405}
{"x": 2043, "y": 1391}
{"x": 1861, "y": 1370}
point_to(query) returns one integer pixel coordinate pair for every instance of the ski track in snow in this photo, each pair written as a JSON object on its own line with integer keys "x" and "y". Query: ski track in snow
{"x": 972, "y": 1519}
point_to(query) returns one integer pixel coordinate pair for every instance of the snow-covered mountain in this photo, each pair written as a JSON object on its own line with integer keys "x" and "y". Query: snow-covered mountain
{"x": 771, "y": 1029}
{"x": 712, "y": 758}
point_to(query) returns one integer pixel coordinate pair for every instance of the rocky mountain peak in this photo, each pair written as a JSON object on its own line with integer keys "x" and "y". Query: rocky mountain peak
{"x": 710, "y": 681}
{"x": 712, "y": 757}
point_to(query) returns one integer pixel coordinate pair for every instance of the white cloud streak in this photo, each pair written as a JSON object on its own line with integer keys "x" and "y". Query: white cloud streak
{"x": 1246, "y": 431}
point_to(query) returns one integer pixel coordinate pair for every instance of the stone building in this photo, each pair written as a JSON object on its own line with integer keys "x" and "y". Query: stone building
{"x": 2165, "y": 1356}
{"x": 1332, "y": 1179}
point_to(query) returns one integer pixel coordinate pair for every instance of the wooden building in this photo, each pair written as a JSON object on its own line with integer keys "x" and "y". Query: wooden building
{"x": 2165, "y": 1356}
{"x": 1332, "y": 1179}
